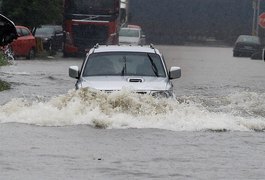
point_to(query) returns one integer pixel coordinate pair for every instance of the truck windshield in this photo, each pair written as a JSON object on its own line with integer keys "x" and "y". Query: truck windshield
{"x": 90, "y": 6}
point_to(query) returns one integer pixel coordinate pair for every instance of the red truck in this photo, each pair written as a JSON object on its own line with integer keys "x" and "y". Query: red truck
{"x": 88, "y": 22}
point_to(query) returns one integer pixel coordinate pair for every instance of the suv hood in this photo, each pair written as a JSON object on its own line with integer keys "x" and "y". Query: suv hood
{"x": 115, "y": 83}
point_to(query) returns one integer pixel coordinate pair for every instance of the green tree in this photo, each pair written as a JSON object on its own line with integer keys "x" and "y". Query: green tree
{"x": 33, "y": 13}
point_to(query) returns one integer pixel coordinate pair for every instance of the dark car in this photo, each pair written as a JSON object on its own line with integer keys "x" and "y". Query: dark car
{"x": 246, "y": 46}
{"x": 52, "y": 37}
{"x": 7, "y": 31}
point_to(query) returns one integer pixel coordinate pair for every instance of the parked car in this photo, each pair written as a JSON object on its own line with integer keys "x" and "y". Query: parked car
{"x": 7, "y": 31}
{"x": 141, "y": 69}
{"x": 52, "y": 37}
{"x": 131, "y": 36}
{"x": 25, "y": 44}
{"x": 247, "y": 45}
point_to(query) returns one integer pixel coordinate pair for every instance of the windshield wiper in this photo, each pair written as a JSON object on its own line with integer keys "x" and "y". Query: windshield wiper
{"x": 123, "y": 71}
{"x": 154, "y": 68}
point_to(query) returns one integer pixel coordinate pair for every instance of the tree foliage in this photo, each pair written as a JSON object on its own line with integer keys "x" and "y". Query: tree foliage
{"x": 33, "y": 13}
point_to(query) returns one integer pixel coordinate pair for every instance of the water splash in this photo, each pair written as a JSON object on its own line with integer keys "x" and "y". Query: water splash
{"x": 236, "y": 112}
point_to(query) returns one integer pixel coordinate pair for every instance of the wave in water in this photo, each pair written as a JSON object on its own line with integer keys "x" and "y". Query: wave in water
{"x": 237, "y": 112}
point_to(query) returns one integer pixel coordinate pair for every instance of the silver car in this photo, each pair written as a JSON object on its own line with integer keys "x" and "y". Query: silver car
{"x": 140, "y": 69}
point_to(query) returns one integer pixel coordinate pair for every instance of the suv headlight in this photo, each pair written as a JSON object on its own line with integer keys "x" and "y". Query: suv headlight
{"x": 162, "y": 94}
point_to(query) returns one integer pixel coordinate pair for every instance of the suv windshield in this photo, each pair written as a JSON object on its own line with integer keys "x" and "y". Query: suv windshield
{"x": 124, "y": 64}
{"x": 129, "y": 32}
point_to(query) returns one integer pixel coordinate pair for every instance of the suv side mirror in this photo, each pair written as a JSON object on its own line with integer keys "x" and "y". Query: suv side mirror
{"x": 175, "y": 72}
{"x": 73, "y": 72}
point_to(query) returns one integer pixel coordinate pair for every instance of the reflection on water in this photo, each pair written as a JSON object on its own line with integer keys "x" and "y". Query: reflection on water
{"x": 236, "y": 112}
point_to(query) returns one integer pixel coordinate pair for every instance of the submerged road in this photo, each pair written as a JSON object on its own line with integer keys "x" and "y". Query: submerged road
{"x": 213, "y": 130}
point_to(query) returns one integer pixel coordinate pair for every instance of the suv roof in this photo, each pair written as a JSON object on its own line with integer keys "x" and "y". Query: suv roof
{"x": 118, "y": 48}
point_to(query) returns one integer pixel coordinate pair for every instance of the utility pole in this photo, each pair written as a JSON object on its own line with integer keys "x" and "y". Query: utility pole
{"x": 124, "y": 11}
{"x": 254, "y": 5}
{"x": 255, "y": 21}
{"x": 258, "y": 13}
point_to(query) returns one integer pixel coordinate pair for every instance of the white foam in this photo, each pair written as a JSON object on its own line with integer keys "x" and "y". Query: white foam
{"x": 128, "y": 110}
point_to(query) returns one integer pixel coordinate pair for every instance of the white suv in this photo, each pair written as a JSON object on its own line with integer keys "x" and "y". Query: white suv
{"x": 137, "y": 68}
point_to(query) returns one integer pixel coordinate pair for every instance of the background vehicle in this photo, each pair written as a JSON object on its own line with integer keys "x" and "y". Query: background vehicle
{"x": 247, "y": 45}
{"x": 25, "y": 44}
{"x": 131, "y": 35}
{"x": 89, "y": 22}
{"x": 52, "y": 37}
{"x": 111, "y": 68}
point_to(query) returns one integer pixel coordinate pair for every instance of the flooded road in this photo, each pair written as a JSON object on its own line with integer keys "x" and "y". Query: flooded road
{"x": 213, "y": 130}
{"x": 38, "y": 78}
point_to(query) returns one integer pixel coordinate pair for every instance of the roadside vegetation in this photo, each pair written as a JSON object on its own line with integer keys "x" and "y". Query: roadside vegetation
{"x": 31, "y": 13}
{"x": 3, "y": 85}
{"x": 3, "y": 60}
